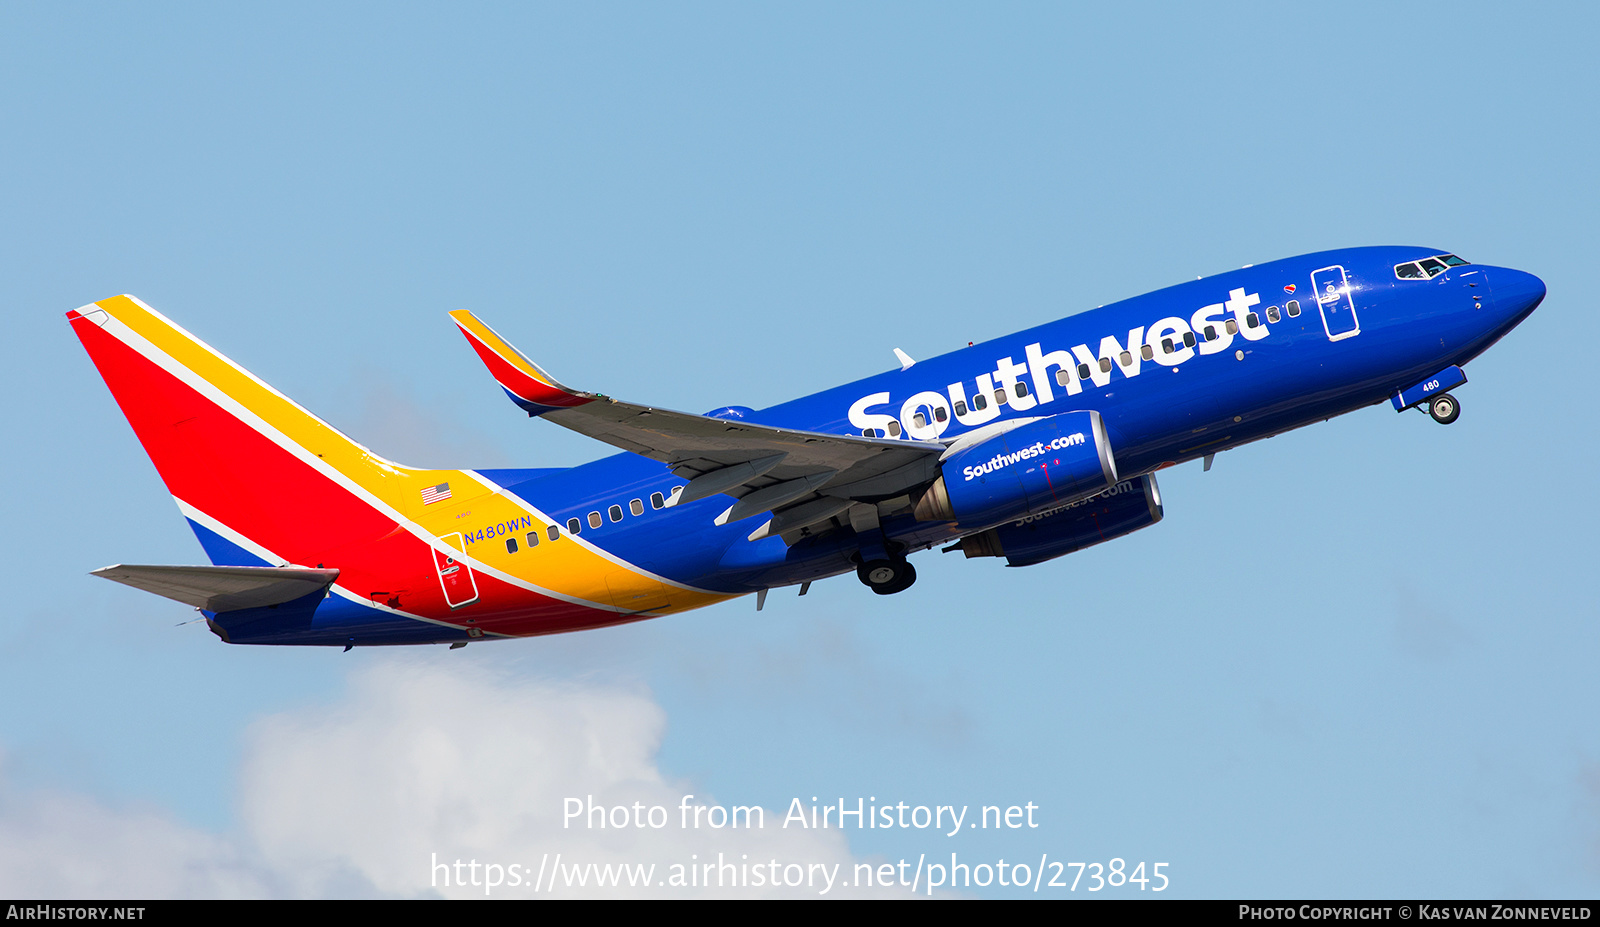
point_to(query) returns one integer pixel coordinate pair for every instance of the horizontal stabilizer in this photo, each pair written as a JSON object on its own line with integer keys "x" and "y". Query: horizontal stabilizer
{"x": 222, "y": 588}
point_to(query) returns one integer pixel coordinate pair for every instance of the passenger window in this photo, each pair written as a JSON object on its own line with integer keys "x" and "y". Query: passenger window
{"x": 656, "y": 500}
{"x": 1063, "y": 377}
{"x": 1021, "y": 389}
{"x": 1211, "y": 333}
{"x": 594, "y": 519}
{"x": 511, "y": 545}
{"x": 1188, "y": 339}
{"x": 1083, "y": 371}
{"x": 980, "y": 402}
{"x": 1166, "y": 346}
{"x": 1293, "y": 306}
{"x": 1272, "y": 314}
{"x": 574, "y": 526}
{"x": 616, "y": 513}
{"x": 1233, "y": 327}
{"x": 939, "y": 414}
{"x": 554, "y": 532}
{"x": 894, "y": 429}
{"x": 1126, "y": 358}
{"x": 868, "y": 432}
{"x": 1147, "y": 352}
{"x": 1105, "y": 365}
{"x": 919, "y": 420}
{"x": 961, "y": 407}
{"x": 1252, "y": 320}
{"x": 533, "y": 539}
{"x": 636, "y": 507}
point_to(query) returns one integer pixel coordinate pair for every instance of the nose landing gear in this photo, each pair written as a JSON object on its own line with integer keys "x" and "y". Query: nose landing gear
{"x": 886, "y": 577}
{"x": 1444, "y": 409}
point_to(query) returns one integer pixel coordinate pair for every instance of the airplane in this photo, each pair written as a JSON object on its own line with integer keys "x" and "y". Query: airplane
{"x": 1027, "y": 447}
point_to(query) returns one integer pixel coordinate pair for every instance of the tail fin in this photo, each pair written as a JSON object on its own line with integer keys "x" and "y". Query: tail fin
{"x": 266, "y": 483}
{"x": 262, "y": 481}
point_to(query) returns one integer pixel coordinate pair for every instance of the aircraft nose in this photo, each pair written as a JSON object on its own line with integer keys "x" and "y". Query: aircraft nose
{"x": 1516, "y": 293}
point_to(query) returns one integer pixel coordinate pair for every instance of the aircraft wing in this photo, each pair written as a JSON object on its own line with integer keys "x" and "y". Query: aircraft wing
{"x": 222, "y": 588}
{"x": 804, "y": 477}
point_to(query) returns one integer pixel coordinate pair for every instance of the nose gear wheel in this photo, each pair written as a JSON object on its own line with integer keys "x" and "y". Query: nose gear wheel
{"x": 1445, "y": 409}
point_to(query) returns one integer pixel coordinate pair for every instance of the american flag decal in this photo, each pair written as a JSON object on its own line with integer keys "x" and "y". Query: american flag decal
{"x": 433, "y": 494}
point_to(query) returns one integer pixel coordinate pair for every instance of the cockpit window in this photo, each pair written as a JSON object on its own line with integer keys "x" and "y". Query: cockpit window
{"x": 1428, "y": 268}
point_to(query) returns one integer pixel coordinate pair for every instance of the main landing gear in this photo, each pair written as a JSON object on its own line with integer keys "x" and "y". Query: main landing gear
{"x": 886, "y": 577}
{"x": 1444, "y": 409}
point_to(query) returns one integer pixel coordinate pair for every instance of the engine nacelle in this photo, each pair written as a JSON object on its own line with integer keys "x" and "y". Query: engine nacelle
{"x": 1123, "y": 509}
{"x": 1035, "y": 467}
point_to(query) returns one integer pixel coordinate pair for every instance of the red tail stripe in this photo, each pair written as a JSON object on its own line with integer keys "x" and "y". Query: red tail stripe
{"x": 230, "y": 471}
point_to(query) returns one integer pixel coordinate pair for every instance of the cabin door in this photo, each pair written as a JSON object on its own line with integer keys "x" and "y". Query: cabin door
{"x": 455, "y": 577}
{"x": 1332, "y": 290}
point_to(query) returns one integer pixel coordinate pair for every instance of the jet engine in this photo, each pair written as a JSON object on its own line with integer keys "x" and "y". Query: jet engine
{"x": 1036, "y": 467}
{"x": 1123, "y": 509}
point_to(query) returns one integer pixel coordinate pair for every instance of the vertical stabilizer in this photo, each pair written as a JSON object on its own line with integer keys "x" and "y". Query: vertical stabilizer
{"x": 261, "y": 478}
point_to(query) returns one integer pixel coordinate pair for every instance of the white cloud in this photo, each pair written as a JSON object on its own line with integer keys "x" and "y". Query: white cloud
{"x": 59, "y": 845}
{"x": 418, "y": 764}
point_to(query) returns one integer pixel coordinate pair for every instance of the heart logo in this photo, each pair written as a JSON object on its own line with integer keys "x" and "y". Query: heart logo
{"x": 1289, "y": 288}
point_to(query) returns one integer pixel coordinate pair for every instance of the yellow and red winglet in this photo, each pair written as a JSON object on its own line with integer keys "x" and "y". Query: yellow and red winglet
{"x": 528, "y": 386}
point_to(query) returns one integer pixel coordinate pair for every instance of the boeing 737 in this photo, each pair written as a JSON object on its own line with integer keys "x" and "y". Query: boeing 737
{"x": 1027, "y": 448}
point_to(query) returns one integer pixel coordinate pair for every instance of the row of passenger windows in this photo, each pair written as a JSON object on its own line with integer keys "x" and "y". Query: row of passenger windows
{"x": 979, "y": 403}
{"x": 1428, "y": 268}
{"x": 575, "y": 525}
{"x": 1020, "y": 389}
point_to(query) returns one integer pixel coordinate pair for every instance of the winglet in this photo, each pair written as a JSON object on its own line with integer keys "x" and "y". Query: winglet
{"x": 528, "y": 386}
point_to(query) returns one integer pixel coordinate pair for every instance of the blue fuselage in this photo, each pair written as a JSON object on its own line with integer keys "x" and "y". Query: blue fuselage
{"x": 1176, "y": 374}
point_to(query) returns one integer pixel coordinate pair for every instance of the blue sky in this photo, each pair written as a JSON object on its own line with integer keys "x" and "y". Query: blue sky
{"x": 1354, "y": 660}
